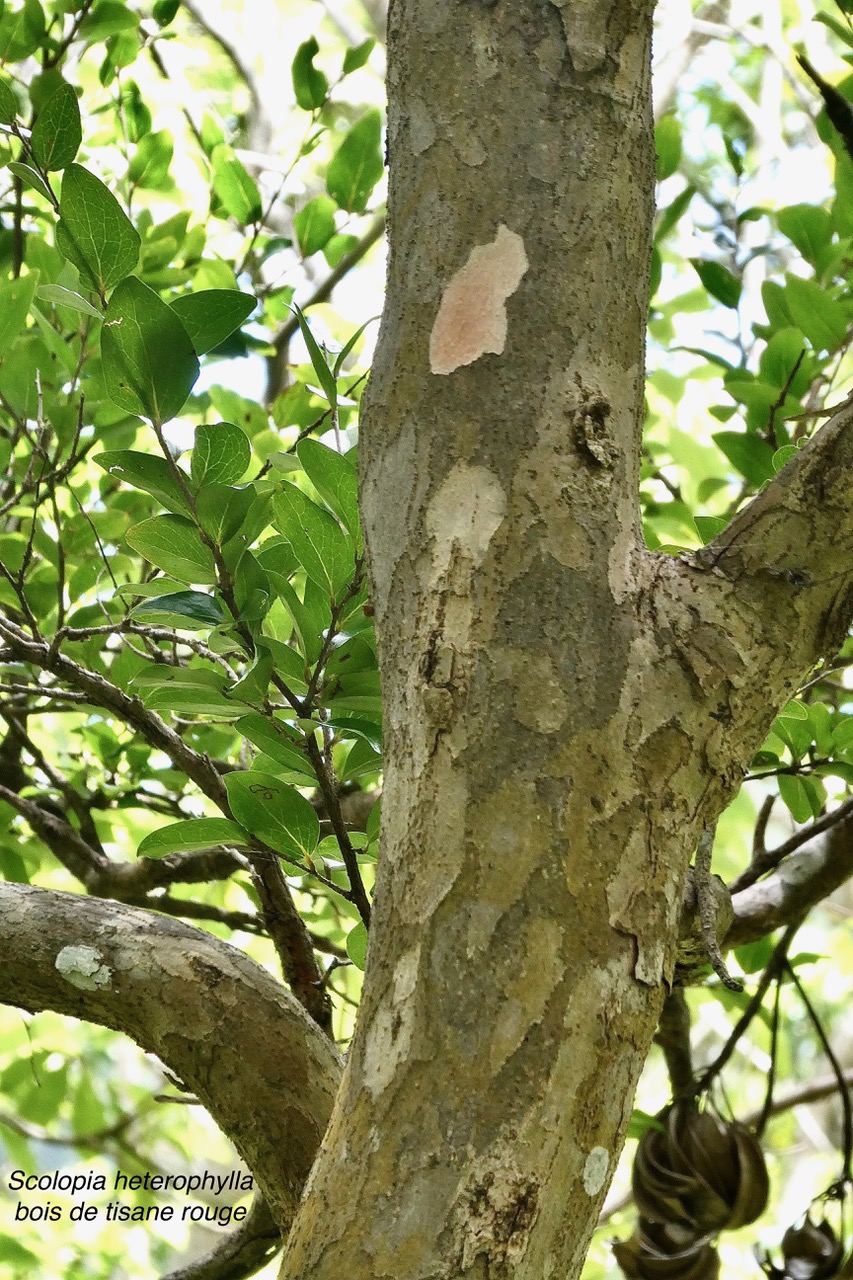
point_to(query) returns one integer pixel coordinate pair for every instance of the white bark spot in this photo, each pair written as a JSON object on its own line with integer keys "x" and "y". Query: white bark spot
{"x": 465, "y": 514}
{"x": 471, "y": 318}
{"x": 83, "y": 967}
{"x": 391, "y": 1030}
{"x": 595, "y": 1170}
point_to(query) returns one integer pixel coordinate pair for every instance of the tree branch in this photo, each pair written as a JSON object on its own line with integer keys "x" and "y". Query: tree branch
{"x": 240, "y": 1041}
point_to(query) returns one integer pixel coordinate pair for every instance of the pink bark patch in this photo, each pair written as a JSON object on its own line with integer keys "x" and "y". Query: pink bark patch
{"x": 471, "y": 319}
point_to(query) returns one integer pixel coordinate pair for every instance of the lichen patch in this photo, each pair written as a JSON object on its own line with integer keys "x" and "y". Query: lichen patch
{"x": 83, "y": 967}
{"x": 471, "y": 320}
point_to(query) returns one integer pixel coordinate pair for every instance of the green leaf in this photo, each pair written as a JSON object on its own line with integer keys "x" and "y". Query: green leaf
{"x": 673, "y": 212}
{"x": 16, "y": 297}
{"x": 193, "y": 691}
{"x": 179, "y": 608}
{"x": 8, "y": 102}
{"x": 277, "y": 740}
{"x": 719, "y": 282}
{"x": 149, "y": 364}
{"x": 357, "y": 945}
{"x": 798, "y": 797}
{"x": 32, "y": 178}
{"x": 148, "y": 472}
{"x": 709, "y": 526}
{"x": 61, "y": 297}
{"x": 667, "y": 146}
{"x": 356, "y": 56}
{"x": 808, "y": 226}
{"x": 237, "y": 190}
{"x": 164, "y": 11}
{"x": 274, "y": 812}
{"x": 221, "y": 454}
{"x": 321, "y": 546}
{"x": 309, "y": 84}
{"x": 321, "y": 365}
{"x": 356, "y": 166}
{"x": 210, "y": 315}
{"x": 174, "y": 545}
{"x": 333, "y": 476}
{"x": 93, "y": 231}
{"x": 222, "y": 510}
{"x": 149, "y": 164}
{"x": 314, "y": 225}
{"x": 748, "y": 454}
{"x": 191, "y": 835}
{"x": 58, "y": 131}
{"x": 107, "y": 19}
{"x": 819, "y": 316}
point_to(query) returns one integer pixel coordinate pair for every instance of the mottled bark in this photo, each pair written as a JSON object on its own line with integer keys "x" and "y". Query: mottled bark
{"x": 565, "y": 711}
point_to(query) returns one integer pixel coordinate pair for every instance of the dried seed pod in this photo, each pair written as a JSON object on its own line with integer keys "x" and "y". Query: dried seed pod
{"x": 810, "y": 1251}
{"x": 665, "y": 1252}
{"x": 701, "y": 1171}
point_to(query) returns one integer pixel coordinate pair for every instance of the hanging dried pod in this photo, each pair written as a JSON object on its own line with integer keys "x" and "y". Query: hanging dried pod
{"x": 699, "y": 1170}
{"x": 659, "y": 1252}
{"x": 810, "y": 1251}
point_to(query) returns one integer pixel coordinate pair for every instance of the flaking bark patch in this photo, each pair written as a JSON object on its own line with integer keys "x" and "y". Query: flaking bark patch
{"x": 471, "y": 320}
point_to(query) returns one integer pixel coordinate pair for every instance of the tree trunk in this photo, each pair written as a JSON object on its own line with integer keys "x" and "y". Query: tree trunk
{"x": 565, "y": 711}
{"x": 508, "y": 1005}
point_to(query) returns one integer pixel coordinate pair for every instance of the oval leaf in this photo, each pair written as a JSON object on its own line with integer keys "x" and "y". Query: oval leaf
{"x": 149, "y": 364}
{"x": 221, "y": 454}
{"x": 192, "y": 835}
{"x": 210, "y": 315}
{"x": 274, "y": 812}
{"x": 93, "y": 230}
{"x": 356, "y": 166}
{"x": 58, "y": 132}
{"x": 174, "y": 545}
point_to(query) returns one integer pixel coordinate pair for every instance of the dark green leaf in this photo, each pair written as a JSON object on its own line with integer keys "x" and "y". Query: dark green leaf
{"x": 31, "y": 178}
{"x": 673, "y": 212}
{"x": 333, "y": 476}
{"x": 356, "y": 56}
{"x": 58, "y": 131}
{"x": 174, "y": 545}
{"x": 210, "y": 315}
{"x": 180, "y": 608}
{"x": 819, "y": 316}
{"x": 60, "y": 297}
{"x": 357, "y": 945}
{"x": 93, "y": 230}
{"x": 309, "y": 84}
{"x": 148, "y": 472}
{"x": 234, "y": 187}
{"x": 719, "y": 282}
{"x": 222, "y": 510}
{"x": 149, "y": 364}
{"x": 191, "y": 835}
{"x": 8, "y": 102}
{"x": 667, "y": 146}
{"x": 187, "y": 691}
{"x": 748, "y": 454}
{"x": 318, "y": 360}
{"x": 16, "y": 297}
{"x": 274, "y": 812}
{"x": 323, "y": 549}
{"x": 165, "y": 10}
{"x": 277, "y": 740}
{"x": 221, "y": 454}
{"x": 356, "y": 166}
{"x": 314, "y": 225}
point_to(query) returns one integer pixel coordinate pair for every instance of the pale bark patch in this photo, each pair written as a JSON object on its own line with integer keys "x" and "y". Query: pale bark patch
{"x": 471, "y": 320}
{"x": 464, "y": 515}
{"x": 83, "y": 967}
{"x": 391, "y": 1031}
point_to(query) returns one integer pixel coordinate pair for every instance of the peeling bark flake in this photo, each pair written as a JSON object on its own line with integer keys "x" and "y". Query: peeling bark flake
{"x": 471, "y": 320}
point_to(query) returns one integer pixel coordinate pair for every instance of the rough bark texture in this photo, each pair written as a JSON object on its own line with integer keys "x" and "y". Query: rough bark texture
{"x": 565, "y": 711}
{"x": 228, "y": 1030}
